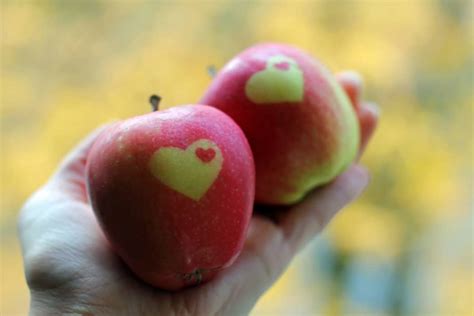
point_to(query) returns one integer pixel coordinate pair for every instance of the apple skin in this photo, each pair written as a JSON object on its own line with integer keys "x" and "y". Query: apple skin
{"x": 298, "y": 120}
{"x": 170, "y": 239}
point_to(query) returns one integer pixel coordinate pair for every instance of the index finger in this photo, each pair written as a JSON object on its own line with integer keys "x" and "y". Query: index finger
{"x": 308, "y": 218}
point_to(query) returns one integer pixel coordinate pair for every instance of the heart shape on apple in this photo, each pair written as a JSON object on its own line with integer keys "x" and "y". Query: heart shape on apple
{"x": 280, "y": 81}
{"x": 189, "y": 171}
{"x": 205, "y": 155}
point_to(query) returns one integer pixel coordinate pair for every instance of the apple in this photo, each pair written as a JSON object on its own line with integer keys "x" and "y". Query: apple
{"x": 173, "y": 191}
{"x": 299, "y": 122}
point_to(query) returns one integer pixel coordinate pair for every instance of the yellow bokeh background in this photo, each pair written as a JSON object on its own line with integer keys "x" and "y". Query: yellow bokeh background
{"x": 404, "y": 248}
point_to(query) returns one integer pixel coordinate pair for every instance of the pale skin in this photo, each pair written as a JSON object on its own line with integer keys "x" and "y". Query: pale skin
{"x": 70, "y": 268}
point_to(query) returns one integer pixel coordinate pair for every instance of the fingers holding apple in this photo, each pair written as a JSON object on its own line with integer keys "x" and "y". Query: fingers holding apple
{"x": 174, "y": 190}
{"x": 368, "y": 115}
{"x": 353, "y": 85}
{"x": 367, "y": 112}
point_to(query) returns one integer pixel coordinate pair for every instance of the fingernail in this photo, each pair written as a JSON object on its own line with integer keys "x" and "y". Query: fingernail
{"x": 352, "y": 76}
{"x": 373, "y": 107}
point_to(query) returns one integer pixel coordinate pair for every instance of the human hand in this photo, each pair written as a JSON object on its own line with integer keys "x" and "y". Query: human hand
{"x": 70, "y": 268}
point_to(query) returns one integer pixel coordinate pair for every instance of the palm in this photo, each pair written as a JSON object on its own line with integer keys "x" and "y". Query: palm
{"x": 67, "y": 255}
{"x": 81, "y": 261}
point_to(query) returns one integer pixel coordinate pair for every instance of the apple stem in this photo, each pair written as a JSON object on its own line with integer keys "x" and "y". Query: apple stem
{"x": 212, "y": 71}
{"x": 195, "y": 276}
{"x": 198, "y": 276}
{"x": 155, "y": 101}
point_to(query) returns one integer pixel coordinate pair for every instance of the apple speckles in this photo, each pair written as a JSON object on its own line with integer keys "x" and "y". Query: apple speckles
{"x": 178, "y": 113}
{"x": 190, "y": 171}
{"x": 123, "y": 149}
{"x": 281, "y": 81}
{"x": 120, "y": 143}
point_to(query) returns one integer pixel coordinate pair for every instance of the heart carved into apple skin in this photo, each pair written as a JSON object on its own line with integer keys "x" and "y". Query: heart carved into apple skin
{"x": 191, "y": 171}
{"x": 299, "y": 122}
{"x": 280, "y": 81}
{"x": 173, "y": 192}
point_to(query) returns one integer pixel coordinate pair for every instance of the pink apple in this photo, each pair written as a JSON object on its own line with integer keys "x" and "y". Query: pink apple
{"x": 299, "y": 122}
{"x": 173, "y": 191}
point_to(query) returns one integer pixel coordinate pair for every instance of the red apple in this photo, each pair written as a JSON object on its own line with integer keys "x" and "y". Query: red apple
{"x": 299, "y": 122}
{"x": 173, "y": 192}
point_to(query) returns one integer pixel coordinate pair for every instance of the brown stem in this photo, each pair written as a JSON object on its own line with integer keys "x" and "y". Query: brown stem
{"x": 155, "y": 101}
{"x": 212, "y": 71}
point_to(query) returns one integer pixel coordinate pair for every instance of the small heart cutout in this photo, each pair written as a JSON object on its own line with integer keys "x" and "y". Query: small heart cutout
{"x": 205, "y": 155}
{"x": 284, "y": 65}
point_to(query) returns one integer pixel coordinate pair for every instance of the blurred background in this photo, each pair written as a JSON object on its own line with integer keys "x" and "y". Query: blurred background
{"x": 404, "y": 248}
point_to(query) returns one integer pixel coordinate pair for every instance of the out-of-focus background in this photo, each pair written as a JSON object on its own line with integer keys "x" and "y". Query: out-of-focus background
{"x": 404, "y": 248}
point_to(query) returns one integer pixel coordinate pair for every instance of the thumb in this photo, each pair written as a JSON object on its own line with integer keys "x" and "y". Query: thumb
{"x": 70, "y": 175}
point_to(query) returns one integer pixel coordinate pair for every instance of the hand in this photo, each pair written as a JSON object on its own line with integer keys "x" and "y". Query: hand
{"x": 70, "y": 268}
